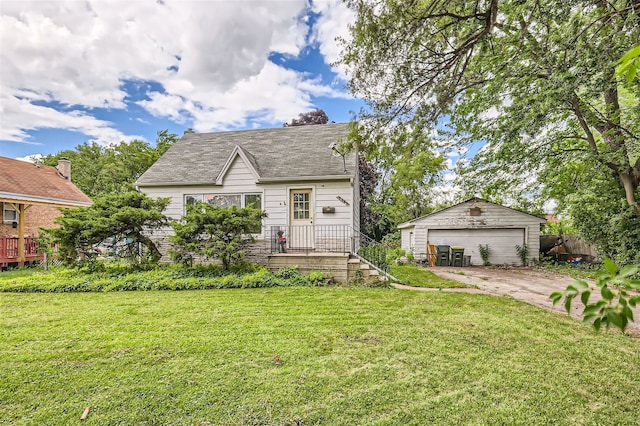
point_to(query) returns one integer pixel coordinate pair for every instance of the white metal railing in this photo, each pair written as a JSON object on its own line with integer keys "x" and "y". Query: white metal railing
{"x": 328, "y": 239}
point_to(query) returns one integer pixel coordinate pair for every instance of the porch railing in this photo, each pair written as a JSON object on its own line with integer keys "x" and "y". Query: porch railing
{"x": 313, "y": 238}
{"x": 373, "y": 252}
{"x": 9, "y": 250}
{"x": 328, "y": 239}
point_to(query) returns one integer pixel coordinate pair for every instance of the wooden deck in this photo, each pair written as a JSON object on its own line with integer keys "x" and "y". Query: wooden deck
{"x": 9, "y": 251}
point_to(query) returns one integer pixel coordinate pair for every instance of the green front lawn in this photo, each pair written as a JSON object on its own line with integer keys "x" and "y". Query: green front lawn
{"x": 307, "y": 355}
{"x": 418, "y": 276}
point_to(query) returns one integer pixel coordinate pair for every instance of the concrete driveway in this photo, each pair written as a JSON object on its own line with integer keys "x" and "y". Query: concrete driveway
{"x": 529, "y": 285}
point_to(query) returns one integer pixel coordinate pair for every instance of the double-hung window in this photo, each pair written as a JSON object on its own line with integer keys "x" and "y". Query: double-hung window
{"x": 192, "y": 200}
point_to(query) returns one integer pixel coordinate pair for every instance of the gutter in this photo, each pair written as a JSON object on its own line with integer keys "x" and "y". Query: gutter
{"x": 11, "y": 197}
{"x": 261, "y": 180}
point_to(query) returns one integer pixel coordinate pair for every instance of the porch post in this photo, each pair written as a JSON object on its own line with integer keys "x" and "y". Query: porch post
{"x": 21, "y": 211}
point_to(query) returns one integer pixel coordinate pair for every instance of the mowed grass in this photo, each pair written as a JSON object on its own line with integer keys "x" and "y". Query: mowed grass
{"x": 335, "y": 355}
{"x": 418, "y": 276}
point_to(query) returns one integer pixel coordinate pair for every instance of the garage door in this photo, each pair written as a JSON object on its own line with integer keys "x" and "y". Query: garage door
{"x": 502, "y": 243}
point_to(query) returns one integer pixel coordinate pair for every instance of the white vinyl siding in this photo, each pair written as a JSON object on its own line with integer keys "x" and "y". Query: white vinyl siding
{"x": 330, "y": 194}
{"x": 407, "y": 239}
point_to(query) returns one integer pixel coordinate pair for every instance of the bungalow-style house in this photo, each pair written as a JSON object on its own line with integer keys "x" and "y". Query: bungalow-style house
{"x": 472, "y": 223}
{"x": 30, "y": 195}
{"x": 297, "y": 175}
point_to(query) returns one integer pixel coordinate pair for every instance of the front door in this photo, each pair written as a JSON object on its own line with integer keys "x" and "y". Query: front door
{"x": 301, "y": 219}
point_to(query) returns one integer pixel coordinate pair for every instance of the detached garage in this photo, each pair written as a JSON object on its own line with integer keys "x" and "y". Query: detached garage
{"x": 472, "y": 223}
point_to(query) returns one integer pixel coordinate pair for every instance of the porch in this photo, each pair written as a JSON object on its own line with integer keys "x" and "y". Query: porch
{"x": 338, "y": 251}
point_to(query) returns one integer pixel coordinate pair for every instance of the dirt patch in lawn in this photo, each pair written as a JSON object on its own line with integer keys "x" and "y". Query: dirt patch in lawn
{"x": 529, "y": 285}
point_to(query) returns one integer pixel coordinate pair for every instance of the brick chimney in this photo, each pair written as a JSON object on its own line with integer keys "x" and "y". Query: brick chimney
{"x": 64, "y": 168}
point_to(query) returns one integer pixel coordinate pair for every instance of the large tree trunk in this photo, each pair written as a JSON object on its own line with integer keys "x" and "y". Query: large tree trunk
{"x": 151, "y": 246}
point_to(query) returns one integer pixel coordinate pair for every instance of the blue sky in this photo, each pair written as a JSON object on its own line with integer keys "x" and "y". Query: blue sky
{"x": 106, "y": 71}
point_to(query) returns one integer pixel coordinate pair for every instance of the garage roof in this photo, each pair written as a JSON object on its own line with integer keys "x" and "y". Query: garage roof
{"x": 471, "y": 200}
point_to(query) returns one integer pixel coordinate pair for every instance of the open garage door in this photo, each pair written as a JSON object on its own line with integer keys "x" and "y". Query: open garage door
{"x": 502, "y": 242}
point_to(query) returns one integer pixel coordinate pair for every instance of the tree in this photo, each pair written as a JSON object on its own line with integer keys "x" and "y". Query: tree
{"x": 409, "y": 167}
{"x": 317, "y": 116}
{"x": 125, "y": 219}
{"x": 535, "y": 80}
{"x": 372, "y": 223}
{"x": 215, "y": 233}
{"x": 99, "y": 171}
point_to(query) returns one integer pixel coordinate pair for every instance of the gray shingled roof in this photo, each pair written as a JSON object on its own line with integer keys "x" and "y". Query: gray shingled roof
{"x": 279, "y": 153}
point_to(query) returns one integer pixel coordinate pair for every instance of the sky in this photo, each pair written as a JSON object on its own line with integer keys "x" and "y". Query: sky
{"x": 73, "y": 71}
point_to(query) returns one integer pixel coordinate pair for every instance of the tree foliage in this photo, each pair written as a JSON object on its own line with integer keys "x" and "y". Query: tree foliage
{"x": 317, "y": 116}
{"x": 619, "y": 294}
{"x": 99, "y": 170}
{"x": 126, "y": 219}
{"x": 410, "y": 168}
{"x": 372, "y": 222}
{"x": 629, "y": 64}
{"x": 214, "y": 233}
{"x": 535, "y": 80}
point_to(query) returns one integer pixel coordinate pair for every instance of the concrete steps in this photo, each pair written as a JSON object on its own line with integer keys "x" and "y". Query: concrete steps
{"x": 364, "y": 271}
{"x": 341, "y": 267}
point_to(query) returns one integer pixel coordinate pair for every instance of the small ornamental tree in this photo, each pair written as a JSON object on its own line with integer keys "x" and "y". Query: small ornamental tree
{"x": 215, "y": 233}
{"x": 126, "y": 218}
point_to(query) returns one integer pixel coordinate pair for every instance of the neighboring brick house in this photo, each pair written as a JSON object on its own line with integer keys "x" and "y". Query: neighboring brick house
{"x": 30, "y": 196}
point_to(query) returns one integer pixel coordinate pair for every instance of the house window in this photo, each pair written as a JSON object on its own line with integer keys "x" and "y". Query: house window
{"x": 192, "y": 200}
{"x": 9, "y": 214}
{"x": 301, "y": 205}
{"x": 223, "y": 200}
{"x": 253, "y": 201}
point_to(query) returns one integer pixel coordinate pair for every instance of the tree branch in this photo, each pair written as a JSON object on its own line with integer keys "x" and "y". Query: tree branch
{"x": 577, "y": 110}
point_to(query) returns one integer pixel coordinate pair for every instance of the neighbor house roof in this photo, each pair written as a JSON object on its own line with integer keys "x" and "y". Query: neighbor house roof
{"x": 285, "y": 153}
{"x": 25, "y": 182}
{"x": 470, "y": 200}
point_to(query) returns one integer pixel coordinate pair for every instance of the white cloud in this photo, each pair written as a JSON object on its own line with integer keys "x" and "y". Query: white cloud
{"x": 333, "y": 22}
{"x": 31, "y": 158}
{"x": 211, "y": 58}
{"x": 26, "y": 116}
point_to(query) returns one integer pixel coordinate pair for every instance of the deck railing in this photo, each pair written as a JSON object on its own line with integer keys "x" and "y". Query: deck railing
{"x": 9, "y": 250}
{"x": 341, "y": 239}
